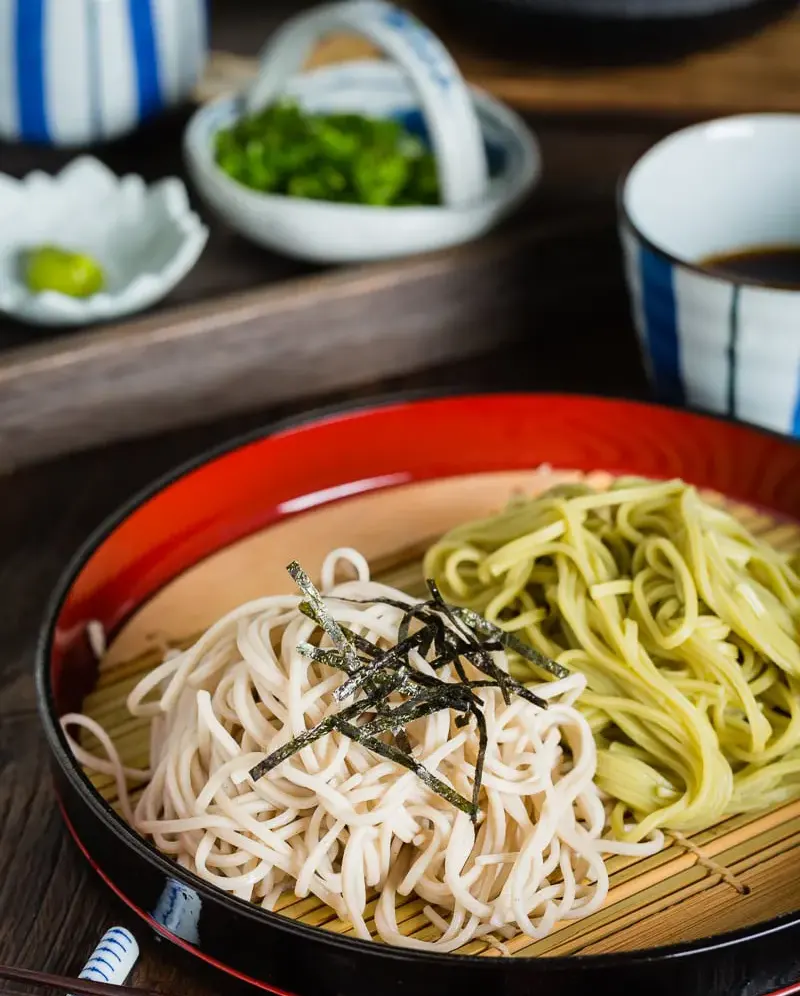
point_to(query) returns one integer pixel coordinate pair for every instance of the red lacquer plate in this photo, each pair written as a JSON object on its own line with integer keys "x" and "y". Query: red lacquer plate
{"x": 221, "y": 530}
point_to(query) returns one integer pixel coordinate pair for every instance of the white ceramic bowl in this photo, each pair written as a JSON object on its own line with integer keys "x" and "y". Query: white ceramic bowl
{"x": 146, "y": 239}
{"x": 730, "y": 347}
{"x": 487, "y": 158}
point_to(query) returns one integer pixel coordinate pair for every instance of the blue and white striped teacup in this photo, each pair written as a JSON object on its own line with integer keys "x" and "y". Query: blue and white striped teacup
{"x": 75, "y": 72}
{"x": 730, "y": 346}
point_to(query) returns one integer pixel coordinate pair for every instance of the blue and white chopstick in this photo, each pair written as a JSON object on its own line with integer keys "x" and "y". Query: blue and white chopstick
{"x": 104, "y": 974}
{"x": 113, "y": 959}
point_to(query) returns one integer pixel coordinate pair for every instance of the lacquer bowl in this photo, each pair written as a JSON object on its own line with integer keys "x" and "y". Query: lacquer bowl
{"x": 388, "y": 480}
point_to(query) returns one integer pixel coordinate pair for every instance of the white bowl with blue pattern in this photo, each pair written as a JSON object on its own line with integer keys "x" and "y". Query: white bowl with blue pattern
{"x": 728, "y": 346}
{"x": 75, "y": 72}
{"x": 488, "y": 160}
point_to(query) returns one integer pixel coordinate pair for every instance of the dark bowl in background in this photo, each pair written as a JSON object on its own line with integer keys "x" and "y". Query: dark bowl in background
{"x": 605, "y": 32}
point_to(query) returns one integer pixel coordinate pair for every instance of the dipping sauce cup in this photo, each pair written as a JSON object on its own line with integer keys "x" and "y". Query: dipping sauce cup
{"x": 724, "y": 342}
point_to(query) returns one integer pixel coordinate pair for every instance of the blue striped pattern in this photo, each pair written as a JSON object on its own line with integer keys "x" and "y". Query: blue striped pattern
{"x": 95, "y": 72}
{"x": 30, "y": 70}
{"x": 124, "y": 934}
{"x": 796, "y": 419}
{"x": 661, "y": 325}
{"x": 130, "y": 66}
{"x": 108, "y": 940}
{"x": 733, "y": 350}
{"x": 713, "y": 344}
{"x": 93, "y": 967}
{"x": 94, "y": 975}
{"x": 149, "y": 91}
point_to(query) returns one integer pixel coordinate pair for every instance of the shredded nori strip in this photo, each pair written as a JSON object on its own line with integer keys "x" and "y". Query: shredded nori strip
{"x": 322, "y": 729}
{"x": 398, "y": 655}
{"x": 333, "y": 658}
{"x": 314, "y": 607}
{"x": 407, "y": 761}
{"x": 483, "y": 627}
{"x": 480, "y": 626}
{"x": 479, "y": 657}
{"x": 374, "y": 675}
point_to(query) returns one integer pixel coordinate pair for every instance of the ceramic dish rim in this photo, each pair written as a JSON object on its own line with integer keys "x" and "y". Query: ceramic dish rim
{"x": 672, "y": 258}
{"x": 504, "y": 189}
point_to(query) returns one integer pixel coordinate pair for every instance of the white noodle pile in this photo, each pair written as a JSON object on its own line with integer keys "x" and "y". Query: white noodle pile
{"x": 338, "y": 822}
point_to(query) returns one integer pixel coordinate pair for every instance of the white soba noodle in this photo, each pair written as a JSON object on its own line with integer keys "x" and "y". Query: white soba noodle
{"x": 337, "y": 821}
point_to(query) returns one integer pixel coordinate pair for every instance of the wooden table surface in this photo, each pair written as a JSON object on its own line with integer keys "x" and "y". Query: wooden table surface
{"x": 52, "y": 908}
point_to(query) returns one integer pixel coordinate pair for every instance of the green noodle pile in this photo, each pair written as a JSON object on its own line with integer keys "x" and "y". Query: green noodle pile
{"x": 684, "y": 624}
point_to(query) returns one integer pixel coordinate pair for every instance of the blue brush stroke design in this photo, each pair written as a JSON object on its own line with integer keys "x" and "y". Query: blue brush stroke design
{"x": 796, "y": 418}
{"x": 30, "y": 50}
{"x": 414, "y": 122}
{"x": 113, "y": 940}
{"x": 179, "y": 909}
{"x": 661, "y": 325}
{"x": 97, "y": 960}
{"x": 110, "y": 951}
{"x": 206, "y": 25}
{"x": 423, "y": 43}
{"x": 149, "y": 94}
{"x": 87, "y": 973}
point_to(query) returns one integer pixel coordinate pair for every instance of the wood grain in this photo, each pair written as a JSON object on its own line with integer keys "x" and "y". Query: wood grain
{"x": 77, "y": 389}
{"x": 295, "y": 340}
{"x": 210, "y": 348}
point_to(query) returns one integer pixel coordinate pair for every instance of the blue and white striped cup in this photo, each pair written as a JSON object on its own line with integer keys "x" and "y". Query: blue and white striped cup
{"x": 724, "y": 345}
{"x": 75, "y": 72}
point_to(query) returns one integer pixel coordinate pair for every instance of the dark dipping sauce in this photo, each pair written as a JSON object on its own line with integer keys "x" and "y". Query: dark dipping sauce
{"x": 772, "y": 265}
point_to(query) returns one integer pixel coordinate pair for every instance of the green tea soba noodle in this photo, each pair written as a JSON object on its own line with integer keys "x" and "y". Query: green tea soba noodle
{"x": 684, "y": 624}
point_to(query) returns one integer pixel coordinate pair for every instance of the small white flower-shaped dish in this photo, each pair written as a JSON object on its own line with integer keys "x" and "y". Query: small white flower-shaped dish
{"x": 146, "y": 239}
{"x": 488, "y": 160}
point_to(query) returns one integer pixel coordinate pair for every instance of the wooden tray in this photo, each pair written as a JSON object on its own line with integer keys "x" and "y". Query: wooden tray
{"x": 321, "y": 334}
{"x": 734, "y": 875}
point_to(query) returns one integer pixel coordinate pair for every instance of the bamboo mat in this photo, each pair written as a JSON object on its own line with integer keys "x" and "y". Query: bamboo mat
{"x": 738, "y": 873}
{"x": 759, "y": 74}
